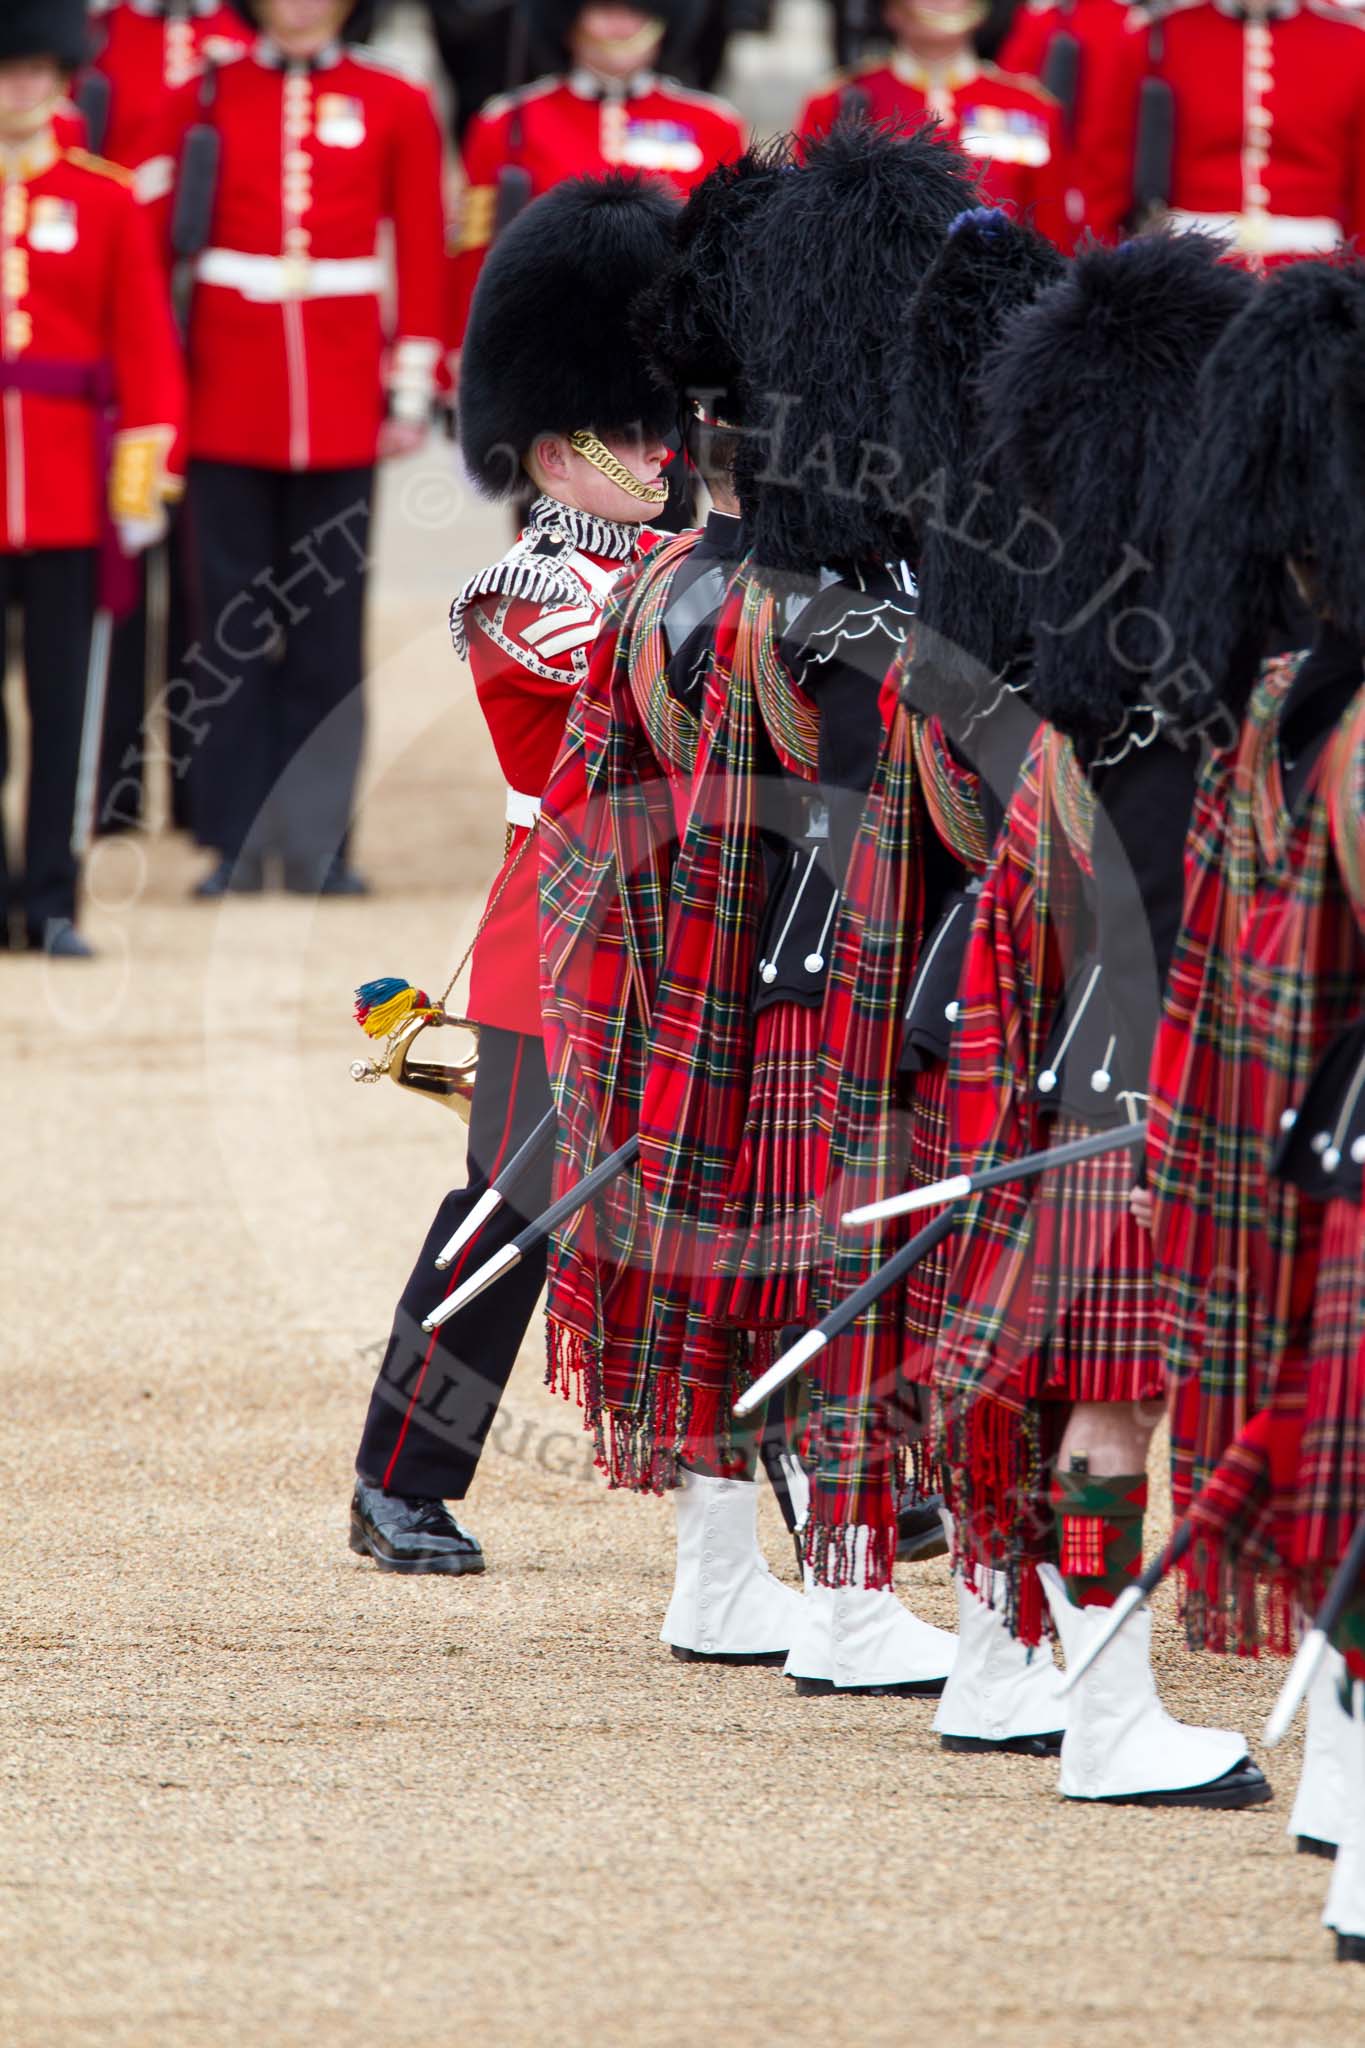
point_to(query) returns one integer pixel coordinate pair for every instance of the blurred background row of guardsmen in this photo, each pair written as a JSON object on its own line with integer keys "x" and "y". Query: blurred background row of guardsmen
{"x": 238, "y": 253}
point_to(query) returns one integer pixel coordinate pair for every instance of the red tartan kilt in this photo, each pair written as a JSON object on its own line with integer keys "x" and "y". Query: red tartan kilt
{"x": 1090, "y": 1332}
{"x": 769, "y": 1221}
{"x": 1331, "y": 1492}
{"x": 926, "y": 1284}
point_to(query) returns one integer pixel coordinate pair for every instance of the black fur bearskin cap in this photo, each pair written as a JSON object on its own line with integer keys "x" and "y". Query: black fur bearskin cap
{"x": 1277, "y": 470}
{"x": 45, "y": 28}
{"x": 689, "y": 323}
{"x": 550, "y": 23}
{"x": 548, "y": 349}
{"x": 974, "y": 604}
{"x": 1089, "y": 400}
{"x": 835, "y": 256}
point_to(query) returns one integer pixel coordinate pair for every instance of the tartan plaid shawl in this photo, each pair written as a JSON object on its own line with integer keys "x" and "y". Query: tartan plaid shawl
{"x": 1269, "y": 1522}
{"x": 861, "y": 1411}
{"x": 703, "y": 1184}
{"x": 1030, "y": 926}
{"x": 608, "y": 844}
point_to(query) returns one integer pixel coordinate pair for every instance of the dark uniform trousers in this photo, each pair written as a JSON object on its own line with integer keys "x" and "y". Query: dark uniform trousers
{"x": 280, "y": 561}
{"x": 148, "y": 648}
{"x": 54, "y": 590}
{"x": 436, "y": 1396}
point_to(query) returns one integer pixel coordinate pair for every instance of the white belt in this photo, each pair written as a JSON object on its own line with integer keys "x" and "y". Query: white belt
{"x": 521, "y": 809}
{"x": 270, "y": 280}
{"x": 1267, "y": 234}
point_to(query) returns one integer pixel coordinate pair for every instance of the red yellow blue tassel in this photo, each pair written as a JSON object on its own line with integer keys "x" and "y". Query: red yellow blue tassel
{"x": 384, "y": 1006}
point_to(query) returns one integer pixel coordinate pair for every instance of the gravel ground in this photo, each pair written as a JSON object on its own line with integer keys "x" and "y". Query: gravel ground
{"x": 254, "y": 1792}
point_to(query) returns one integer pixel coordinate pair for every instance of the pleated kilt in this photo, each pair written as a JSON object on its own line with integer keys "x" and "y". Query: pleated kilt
{"x": 1331, "y": 1487}
{"x": 1090, "y": 1330}
{"x": 926, "y": 1284}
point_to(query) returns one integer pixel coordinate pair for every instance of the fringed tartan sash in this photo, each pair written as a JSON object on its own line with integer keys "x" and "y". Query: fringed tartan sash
{"x": 1281, "y": 970}
{"x": 608, "y": 844}
{"x": 704, "y": 1051}
{"x": 1014, "y": 978}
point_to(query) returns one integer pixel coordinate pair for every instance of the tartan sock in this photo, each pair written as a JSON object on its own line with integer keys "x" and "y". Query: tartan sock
{"x": 1349, "y": 1637}
{"x": 1101, "y": 1532}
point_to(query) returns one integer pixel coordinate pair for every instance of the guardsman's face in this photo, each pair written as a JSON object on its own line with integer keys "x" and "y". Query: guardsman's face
{"x": 565, "y": 474}
{"x": 933, "y": 24}
{"x": 29, "y": 88}
{"x": 615, "y": 41}
{"x": 303, "y": 25}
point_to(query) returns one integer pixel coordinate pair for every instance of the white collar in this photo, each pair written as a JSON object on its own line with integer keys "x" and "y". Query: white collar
{"x": 587, "y": 85}
{"x": 268, "y": 52}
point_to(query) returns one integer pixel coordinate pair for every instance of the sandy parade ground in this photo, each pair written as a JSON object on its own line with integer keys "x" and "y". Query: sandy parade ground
{"x": 254, "y": 1792}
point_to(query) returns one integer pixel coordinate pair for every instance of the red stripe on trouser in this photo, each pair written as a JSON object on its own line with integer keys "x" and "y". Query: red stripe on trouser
{"x": 458, "y": 1274}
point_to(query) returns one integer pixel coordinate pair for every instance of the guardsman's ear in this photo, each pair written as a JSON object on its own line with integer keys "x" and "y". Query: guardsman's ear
{"x": 550, "y": 459}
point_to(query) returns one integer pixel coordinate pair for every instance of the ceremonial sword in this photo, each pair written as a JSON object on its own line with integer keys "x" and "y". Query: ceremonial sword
{"x": 1313, "y": 1648}
{"x": 544, "y": 1226}
{"x": 838, "y": 1320}
{"x": 960, "y": 1185}
{"x": 493, "y": 1197}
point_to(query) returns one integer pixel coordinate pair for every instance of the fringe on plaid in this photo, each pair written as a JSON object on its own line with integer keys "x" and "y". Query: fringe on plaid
{"x": 769, "y": 1224}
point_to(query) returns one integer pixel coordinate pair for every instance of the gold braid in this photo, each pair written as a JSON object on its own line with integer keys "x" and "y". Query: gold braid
{"x": 590, "y": 448}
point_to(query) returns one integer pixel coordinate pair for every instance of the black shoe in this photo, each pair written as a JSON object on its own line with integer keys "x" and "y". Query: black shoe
{"x": 410, "y": 1535}
{"x": 920, "y": 1532}
{"x": 1243, "y": 1785}
{"x": 910, "y": 1689}
{"x": 60, "y": 940}
{"x": 304, "y": 878}
{"x": 729, "y": 1656}
{"x": 1011, "y": 1745}
{"x": 1309, "y": 1845}
{"x": 244, "y": 876}
{"x": 1351, "y": 1948}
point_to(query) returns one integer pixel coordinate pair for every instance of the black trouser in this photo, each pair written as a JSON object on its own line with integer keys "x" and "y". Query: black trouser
{"x": 149, "y": 645}
{"x": 435, "y": 1398}
{"x": 54, "y": 588}
{"x": 279, "y": 561}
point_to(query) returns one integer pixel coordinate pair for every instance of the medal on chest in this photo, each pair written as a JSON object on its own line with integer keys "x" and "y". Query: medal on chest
{"x": 52, "y": 225}
{"x": 340, "y": 121}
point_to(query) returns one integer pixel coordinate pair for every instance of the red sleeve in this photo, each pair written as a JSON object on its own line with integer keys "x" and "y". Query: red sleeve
{"x": 1354, "y": 224}
{"x": 1050, "y": 185}
{"x": 820, "y": 112}
{"x": 149, "y": 376}
{"x": 484, "y": 154}
{"x": 415, "y": 206}
{"x": 160, "y": 142}
{"x": 1024, "y": 50}
{"x": 1106, "y": 135}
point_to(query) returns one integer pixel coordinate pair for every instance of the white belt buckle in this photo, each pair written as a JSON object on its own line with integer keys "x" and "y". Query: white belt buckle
{"x": 296, "y": 277}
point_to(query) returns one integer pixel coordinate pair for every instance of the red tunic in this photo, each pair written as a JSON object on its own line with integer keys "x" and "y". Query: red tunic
{"x": 1268, "y": 125}
{"x": 573, "y": 128}
{"x": 146, "y": 52}
{"x": 1009, "y": 127}
{"x": 84, "y": 312}
{"x": 528, "y": 624}
{"x": 287, "y": 342}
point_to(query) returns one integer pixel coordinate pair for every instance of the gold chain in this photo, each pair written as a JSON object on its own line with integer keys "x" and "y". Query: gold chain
{"x": 590, "y": 448}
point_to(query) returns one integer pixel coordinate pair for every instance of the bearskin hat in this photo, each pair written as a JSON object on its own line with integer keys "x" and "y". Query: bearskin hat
{"x": 975, "y": 594}
{"x": 356, "y": 28}
{"x": 548, "y": 348}
{"x": 1276, "y": 470}
{"x": 550, "y": 23}
{"x": 1089, "y": 399}
{"x": 45, "y": 28}
{"x": 834, "y": 259}
{"x": 689, "y": 323}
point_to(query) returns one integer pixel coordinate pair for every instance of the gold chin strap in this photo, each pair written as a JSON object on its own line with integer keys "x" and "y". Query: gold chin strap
{"x": 629, "y": 49}
{"x": 590, "y": 448}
